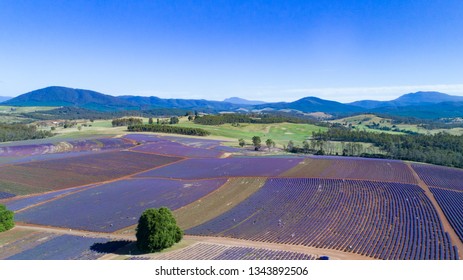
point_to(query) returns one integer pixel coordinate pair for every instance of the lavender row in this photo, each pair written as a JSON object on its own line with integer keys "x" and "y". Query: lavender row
{"x": 451, "y": 203}
{"x": 4, "y": 195}
{"x": 193, "y": 142}
{"x": 71, "y": 146}
{"x": 439, "y": 176}
{"x": 24, "y": 243}
{"x": 226, "y": 167}
{"x": 21, "y": 203}
{"x": 176, "y": 149}
{"x": 144, "y": 138}
{"x": 360, "y": 168}
{"x": 116, "y": 205}
{"x": 206, "y": 251}
{"x": 375, "y": 219}
{"x": 64, "y": 247}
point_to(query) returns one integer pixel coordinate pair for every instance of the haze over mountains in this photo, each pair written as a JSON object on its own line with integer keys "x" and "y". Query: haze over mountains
{"x": 419, "y": 104}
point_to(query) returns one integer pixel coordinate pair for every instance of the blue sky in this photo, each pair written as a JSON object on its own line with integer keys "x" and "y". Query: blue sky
{"x": 266, "y": 50}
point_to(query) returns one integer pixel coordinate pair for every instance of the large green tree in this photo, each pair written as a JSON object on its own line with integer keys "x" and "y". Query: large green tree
{"x": 157, "y": 229}
{"x": 256, "y": 141}
{"x": 6, "y": 218}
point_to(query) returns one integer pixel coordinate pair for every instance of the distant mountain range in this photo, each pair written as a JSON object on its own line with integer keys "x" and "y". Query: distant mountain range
{"x": 417, "y": 98}
{"x": 4, "y": 98}
{"x": 419, "y": 104}
{"x": 241, "y": 101}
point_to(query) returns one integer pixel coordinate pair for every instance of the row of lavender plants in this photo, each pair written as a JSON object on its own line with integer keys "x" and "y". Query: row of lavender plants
{"x": 226, "y": 167}
{"x": 451, "y": 203}
{"x": 177, "y": 149}
{"x": 116, "y": 205}
{"x": 5, "y": 195}
{"x": 207, "y": 251}
{"x": 24, "y": 202}
{"x": 365, "y": 169}
{"x": 63, "y": 247}
{"x": 70, "y": 146}
{"x": 439, "y": 176}
{"x": 376, "y": 219}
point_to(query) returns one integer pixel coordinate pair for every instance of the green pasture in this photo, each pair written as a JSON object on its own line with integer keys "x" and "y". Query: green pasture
{"x": 281, "y": 133}
{"x": 19, "y": 110}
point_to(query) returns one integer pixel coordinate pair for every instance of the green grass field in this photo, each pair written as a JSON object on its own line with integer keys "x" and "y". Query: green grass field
{"x": 361, "y": 122}
{"x": 281, "y": 133}
{"x": 19, "y": 110}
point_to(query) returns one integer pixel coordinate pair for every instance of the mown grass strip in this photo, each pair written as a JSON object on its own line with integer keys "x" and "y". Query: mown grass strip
{"x": 234, "y": 191}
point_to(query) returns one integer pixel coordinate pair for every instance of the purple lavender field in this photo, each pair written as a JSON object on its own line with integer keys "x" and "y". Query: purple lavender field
{"x": 5, "y": 195}
{"x": 24, "y": 202}
{"x": 61, "y": 147}
{"x": 63, "y": 247}
{"x": 193, "y": 142}
{"x": 439, "y": 176}
{"x": 375, "y": 219}
{"x": 116, "y": 205}
{"x": 177, "y": 149}
{"x": 223, "y": 168}
{"x": 451, "y": 203}
{"x": 206, "y": 251}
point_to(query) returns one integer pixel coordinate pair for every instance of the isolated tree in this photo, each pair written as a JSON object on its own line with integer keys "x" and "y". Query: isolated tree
{"x": 150, "y": 121}
{"x": 241, "y": 142}
{"x": 174, "y": 120}
{"x": 256, "y": 142}
{"x": 269, "y": 143}
{"x": 191, "y": 118}
{"x": 6, "y": 218}
{"x": 157, "y": 230}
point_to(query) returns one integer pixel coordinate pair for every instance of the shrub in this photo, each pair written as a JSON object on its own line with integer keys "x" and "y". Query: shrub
{"x": 157, "y": 229}
{"x": 6, "y": 219}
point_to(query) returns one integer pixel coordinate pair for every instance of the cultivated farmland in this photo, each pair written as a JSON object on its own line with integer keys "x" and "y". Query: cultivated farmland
{"x": 116, "y": 205}
{"x": 65, "y": 173}
{"x": 233, "y": 204}
{"x": 223, "y": 168}
{"x": 205, "y": 251}
{"x": 353, "y": 168}
{"x": 380, "y": 220}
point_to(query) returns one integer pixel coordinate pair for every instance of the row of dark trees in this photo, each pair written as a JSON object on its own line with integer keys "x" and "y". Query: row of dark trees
{"x": 440, "y": 148}
{"x": 168, "y": 129}
{"x": 16, "y": 132}
{"x": 74, "y": 113}
{"x": 249, "y": 118}
{"x": 127, "y": 121}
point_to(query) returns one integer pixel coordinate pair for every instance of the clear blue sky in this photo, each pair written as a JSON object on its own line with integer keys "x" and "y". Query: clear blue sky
{"x": 267, "y": 50}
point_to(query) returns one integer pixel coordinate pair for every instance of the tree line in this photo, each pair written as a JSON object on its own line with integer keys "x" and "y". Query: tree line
{"x": 250, "y": 118}
{"x": 17, "y": 132}
{"x": 126, "y": 121}
{"x": 168, "y": 129}
{"x": 441, "y": 148}
{"x": 75, "y": 113}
